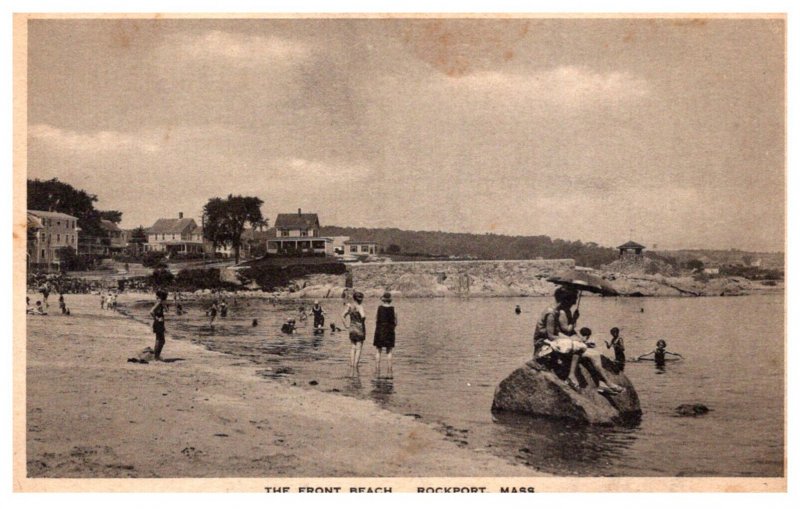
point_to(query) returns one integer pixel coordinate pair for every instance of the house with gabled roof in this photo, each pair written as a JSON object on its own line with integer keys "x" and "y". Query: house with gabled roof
{"x": 299, "y": 235}
{"x": 176, "y": 235}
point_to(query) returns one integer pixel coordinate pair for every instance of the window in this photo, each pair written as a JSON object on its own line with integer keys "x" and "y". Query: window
{"x": 354, "y": 249}
{"x": 365, "y": 249}
{"x": 42, "y": 253}
{"x": 284, "y": 233}
{"x": 304, "y": 233}
{"x": 58, "y": 223}
{"x": 318, "y": 244}
{"x": 58, "y": 237}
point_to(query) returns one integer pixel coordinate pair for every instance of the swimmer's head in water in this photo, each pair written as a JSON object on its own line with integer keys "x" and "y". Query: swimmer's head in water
{"x": 615, "y": 331}
{"x": 586, "y": 331}
{"x": 161, "y": 295}
{"x": 358, "y": 297}
{"x": 661, "y": 343}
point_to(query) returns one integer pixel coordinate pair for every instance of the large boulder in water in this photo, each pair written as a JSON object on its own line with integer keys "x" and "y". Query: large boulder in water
{"x": 540, "y": 391}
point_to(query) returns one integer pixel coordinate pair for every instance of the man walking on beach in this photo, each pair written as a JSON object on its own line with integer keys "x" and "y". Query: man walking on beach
{"x": 157, "y": 313}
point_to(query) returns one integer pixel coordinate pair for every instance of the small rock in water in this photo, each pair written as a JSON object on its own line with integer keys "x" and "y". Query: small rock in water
{"x": 313, "y": 382}
{"x": 692, "y": 409}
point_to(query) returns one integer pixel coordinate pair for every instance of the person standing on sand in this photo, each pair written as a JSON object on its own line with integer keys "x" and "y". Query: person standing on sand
{"x": 212, "y": 313}
{"x": 157, "y": 314}
{"x": 385, "y": 324}
{"x": 45, "y": 293}
{"x": 358, "y": 327}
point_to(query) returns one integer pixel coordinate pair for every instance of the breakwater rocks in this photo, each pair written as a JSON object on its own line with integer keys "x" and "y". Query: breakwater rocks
{"x": 533, "y": 391}
{"x": 503, "y": 278}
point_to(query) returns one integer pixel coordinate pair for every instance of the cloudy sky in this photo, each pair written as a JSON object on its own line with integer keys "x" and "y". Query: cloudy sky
{"x": 577, "y": 129}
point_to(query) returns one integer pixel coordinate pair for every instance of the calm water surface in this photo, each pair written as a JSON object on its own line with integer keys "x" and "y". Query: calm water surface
{"x": 451, "y": 354}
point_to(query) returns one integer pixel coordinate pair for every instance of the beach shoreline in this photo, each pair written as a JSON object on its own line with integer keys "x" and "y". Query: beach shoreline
{"x": 91, "y": 414}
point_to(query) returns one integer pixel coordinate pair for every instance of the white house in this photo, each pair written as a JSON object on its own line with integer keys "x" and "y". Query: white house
{"x": 361, "y": 247}
{"x": 177, "y": 236}
{"x": 299, "y": 235}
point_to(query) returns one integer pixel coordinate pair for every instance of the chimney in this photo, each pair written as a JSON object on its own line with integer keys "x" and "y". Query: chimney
{"x": 180, "y": 215}
{"x": 299, "y": 212}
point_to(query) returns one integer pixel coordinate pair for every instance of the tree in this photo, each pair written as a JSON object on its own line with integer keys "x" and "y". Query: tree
{"x": 226, "y": 219}
{"x": 115, "y": 216}
{"x": 747, "y": 260}
{"x": 695, "y": 264}
{"x": 55, "y": 196}
{"x": 393, "y": 249}
{"x": 138, "y": 237}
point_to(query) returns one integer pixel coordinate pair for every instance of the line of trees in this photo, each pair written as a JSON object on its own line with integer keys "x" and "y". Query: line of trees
{"x": 481, "y": 246}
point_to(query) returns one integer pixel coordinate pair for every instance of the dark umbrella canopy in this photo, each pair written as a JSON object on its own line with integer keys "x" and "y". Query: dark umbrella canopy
{"x": 583, "y": 281}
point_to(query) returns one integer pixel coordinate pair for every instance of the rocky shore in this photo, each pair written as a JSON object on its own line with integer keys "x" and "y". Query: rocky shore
{"x": 521, "y": 278}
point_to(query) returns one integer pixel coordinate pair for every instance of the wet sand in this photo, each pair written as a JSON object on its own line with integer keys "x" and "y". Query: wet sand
{"x": 91, "y": 414}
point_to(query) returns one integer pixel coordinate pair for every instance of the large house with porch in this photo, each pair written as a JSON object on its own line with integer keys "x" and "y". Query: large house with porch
{"x": 299, "y": 235}
{"x": 176, "y": 236}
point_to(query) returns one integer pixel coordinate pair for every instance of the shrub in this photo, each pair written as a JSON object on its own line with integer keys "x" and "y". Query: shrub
{"x": 154, "y": 260}
{"x": 161, "y": 278}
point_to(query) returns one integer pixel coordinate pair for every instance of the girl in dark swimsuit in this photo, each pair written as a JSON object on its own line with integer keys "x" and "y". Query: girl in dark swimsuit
{"x": 385, "y": 324}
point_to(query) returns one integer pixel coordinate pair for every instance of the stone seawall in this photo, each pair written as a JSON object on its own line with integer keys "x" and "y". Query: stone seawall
{"x": 510, "y": 278}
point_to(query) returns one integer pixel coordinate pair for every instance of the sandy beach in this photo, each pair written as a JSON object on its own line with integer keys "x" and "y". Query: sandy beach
{"x": 91, "y": 414}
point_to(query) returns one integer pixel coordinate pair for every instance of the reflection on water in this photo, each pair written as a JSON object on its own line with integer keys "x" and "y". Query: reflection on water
{"x": 451, "y": 354}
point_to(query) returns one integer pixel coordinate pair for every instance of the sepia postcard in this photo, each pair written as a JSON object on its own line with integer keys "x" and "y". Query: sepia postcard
{"x": 364, "y": 253}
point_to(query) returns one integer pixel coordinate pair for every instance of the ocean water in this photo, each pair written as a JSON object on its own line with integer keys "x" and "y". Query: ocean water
{"x": 451, "y": 353}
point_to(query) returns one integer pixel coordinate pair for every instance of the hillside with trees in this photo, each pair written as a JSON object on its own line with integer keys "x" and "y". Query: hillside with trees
{"x": 477, "y": 246}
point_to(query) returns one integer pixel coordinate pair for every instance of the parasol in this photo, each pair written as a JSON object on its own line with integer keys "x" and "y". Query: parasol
{"x": 583, "y": 281}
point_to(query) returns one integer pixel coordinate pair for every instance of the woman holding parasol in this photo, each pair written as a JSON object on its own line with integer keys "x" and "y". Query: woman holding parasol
{"x": 555, "y": 334}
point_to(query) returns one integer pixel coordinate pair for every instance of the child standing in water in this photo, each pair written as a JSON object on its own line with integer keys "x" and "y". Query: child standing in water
{"x": 659, "y": 354}
{"x": 319, "y": 315}
{"x": 385, "y": 324}
{"x": 358, "y": 327}
{"x": 619, "y": 348}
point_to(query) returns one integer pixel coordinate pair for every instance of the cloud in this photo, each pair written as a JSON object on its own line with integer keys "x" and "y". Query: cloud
{"x": 298, "y": 168}
{"x": 93, "y": 142}
{"x": 570, "y": 87}
{"x": 230, "y": 48}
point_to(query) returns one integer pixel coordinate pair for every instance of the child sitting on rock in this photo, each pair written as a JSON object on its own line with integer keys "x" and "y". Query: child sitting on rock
{"x": 586, "y": 335}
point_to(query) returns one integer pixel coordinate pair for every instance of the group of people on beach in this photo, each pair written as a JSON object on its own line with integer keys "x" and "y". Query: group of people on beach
{"x": 41, "y": 306}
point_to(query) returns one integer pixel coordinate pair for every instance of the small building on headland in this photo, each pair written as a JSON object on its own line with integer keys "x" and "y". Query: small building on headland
{"x": 361, "y": 247}
{"x": 299, "y": 235}
{"x": 630, "y": 249}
